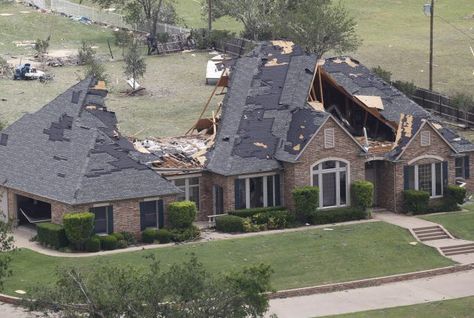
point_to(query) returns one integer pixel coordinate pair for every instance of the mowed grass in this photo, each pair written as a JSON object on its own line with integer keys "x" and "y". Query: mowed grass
{"x": 25, "y": 24}
{"x": 455, "y": 308}
{"x": 174, "y": 97}
{"x": 298, "y": 259}
{"x": 460, "y": 224}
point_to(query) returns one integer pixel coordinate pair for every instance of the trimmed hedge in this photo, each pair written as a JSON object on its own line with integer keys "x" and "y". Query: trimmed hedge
{"x": 338, "y": 215}
{"x": 149, "y": 235}
{"x": 306, "y": 202}
{"x": 181, "y": 214}
{"x": 415, "y": 201}
{"x": 362, "y": 194}
{"x": 229, "y": 224}
{"x": 187, "y": 234}
{"x": 163, "y": 236}
{"x": 245, "y": 213}
{"x": 78, "y": 227}
{"x": 455, "y": 194}
{"x": 93, "y": 244}
{"x": 118, "y": 236}
{"x": 108, "y": 242}
{"x": 51, "y": 234}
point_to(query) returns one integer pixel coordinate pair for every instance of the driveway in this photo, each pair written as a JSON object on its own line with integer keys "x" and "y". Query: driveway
{"x": 412, "y": 292}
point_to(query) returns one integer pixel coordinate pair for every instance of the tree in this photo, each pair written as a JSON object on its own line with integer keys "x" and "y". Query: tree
{"x": 6, "y": 245}
{"x": 319, "y": 26}
{"x": 93, "y": 67}
{"x": 135, "y": 66}
{"x": 183, "y": 291}
{"x": 86, "y": 54}
{"x": 147, "y": 12}
{"x": 255, "y": 15}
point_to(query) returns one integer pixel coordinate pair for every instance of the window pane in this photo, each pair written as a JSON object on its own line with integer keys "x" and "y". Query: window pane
{"x": 424, "y": 178}
{"x": 329, "y": 189}
{"x": 193, "y": 181}
{"x": 256, "y": 192}
{"x": 329, "y": 164}
{"x": 439, "y": 178}
{"x": 241, "y": 195}
{"x": 342, "y": 164}
{"x": 411, "y": 177}
{"x": 100, "y": 222}
{"x": 315, "y": 180}
{"x": 342, "y": 187}
{"x": 459, "y": 167}
{"x": 194, "y": 195}
{"x": 180, "y": 182}
{"x": 270, "y": 190}
{"x": 149, "y": 213}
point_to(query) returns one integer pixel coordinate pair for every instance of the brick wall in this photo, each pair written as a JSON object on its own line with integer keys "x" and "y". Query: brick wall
{"x": 470, "y": 180}
{"x": 208, "y": 180}
{"x": 438, "y": 147}
{"x": 299, "y": 174}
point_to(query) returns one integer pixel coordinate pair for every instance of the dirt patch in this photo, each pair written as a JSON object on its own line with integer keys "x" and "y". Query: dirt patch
{"x": 6, "y": 14}
{"x": 62, "y": 53}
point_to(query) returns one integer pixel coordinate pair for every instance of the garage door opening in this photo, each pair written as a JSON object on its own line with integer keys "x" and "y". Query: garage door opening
{"x": 31, "y": 211}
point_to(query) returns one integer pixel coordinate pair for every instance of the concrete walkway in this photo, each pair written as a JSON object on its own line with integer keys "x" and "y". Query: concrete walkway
{"x": 413, "y": 224}
{"x": 23, "y": 235}
{"x": 412, "y": 292}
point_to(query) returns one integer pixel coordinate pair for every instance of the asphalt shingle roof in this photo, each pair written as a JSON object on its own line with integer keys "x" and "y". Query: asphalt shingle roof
{"x": 72, "y": 154}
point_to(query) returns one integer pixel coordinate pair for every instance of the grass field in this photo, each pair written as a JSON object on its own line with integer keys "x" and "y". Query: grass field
{"x": 460, "y": 224}
{"x": 298, "y": 259}
{"x": 456, "y": 308}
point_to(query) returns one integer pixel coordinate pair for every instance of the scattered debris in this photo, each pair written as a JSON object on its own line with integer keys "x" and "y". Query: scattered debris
{"x": 20, "y": 292}
{"x": 328, "y": 229}
{"x": 27, "y": 72}
{"x": 25, "y": 43}
{"x": 6, "y": 14}
{"x": 413, "y": 243}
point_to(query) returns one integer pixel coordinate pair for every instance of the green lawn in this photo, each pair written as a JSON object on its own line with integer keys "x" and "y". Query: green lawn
{"x": 298, "y": 259}
{"x": 460, "y": 224}
{"x": 456, "y": 308}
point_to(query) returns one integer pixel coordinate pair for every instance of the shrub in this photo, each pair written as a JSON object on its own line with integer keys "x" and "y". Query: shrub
{"x": 407, "y": 88}
{"x": 51, "y": 234}
{"x": 455, "y": 194}
{"x": 362, "y": 194}
{"x": 338, "y": 215}
{"x": 245, "y": 213}
{"x": 108, "y": 242}
{"x": 78, "y": 227}
{"x": 187, "y": 234}
{"x": 306, "y": 202}
{"x": 204, "y": 40}
{"x": 122, "y": 244}
{"x": 382, "y": 73}
{"x": 279, "y": 219}
{"x": 181, "y": 214}
{"x": 149, "y": 235}
{"x": 129, "y": 237}
{"x": 92, "y": 244}
{"x": 163, "y": 236}
{"x": 229, "y": 224}
{"x": 415, "y": 201}
{"x": 118, "y": 236}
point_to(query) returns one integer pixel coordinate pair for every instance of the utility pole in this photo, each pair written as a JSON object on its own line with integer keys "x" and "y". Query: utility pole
{"x": 431, "y": 43}
{"x": 209, "y": 4}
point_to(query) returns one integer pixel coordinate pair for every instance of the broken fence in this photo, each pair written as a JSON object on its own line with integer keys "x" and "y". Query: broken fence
{"x": 235, "y": 47}
{"x": 441, "y": 105}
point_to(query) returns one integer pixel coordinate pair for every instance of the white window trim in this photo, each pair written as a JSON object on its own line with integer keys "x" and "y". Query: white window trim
{"x": 187, "y": 186}
{"x": 265, "y": 188}
{"x": 425, "y": 157}
{"x": 337, "y": 170}
{"x": 433, "y": 179}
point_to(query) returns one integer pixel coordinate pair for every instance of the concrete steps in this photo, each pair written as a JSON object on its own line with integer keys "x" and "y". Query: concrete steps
{"x": 430, "y": 233}
{"x": 458, "y": 249}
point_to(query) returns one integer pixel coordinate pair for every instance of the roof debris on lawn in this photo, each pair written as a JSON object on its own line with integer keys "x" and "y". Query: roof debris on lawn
{"x": 175, "y": 154}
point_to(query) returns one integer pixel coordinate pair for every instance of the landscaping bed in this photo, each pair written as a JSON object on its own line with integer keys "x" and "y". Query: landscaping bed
{"x": 299, "y": 259}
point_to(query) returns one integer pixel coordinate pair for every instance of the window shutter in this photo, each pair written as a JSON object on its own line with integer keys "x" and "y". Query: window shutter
{"x": 445, "y": 174}
{"x": 466, "y": 167}
{"x": 425, "y": 138}
{"x": 406, "y": 174}
{"x": 277, "y": 190}
{"x": 329, "y": 138}
{"x": 110, "y": 219}
{"x": 161, "y": 214}
{"x": 237, "y": 193}
{"x": 142, "y": 216}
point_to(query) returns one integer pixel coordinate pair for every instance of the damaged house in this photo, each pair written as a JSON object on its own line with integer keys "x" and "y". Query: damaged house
{"x": 68, "y": 157}
{"x": 287, "y": 120}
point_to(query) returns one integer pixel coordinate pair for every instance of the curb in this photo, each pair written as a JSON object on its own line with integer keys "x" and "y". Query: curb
{"x": 370, "y": 282}
{"x": 10, "y": 299}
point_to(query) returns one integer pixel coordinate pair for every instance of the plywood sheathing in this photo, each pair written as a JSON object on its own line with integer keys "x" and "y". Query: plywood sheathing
{"x": 317, "y": 106}
{"x": 100, "y": 85}
{"x": 286, "y": 46}
{"x": 274, "y": 62}
{"x": 371, "y": 101}
{"x": 404, "y": 128}
{"x": 377, "y": 147}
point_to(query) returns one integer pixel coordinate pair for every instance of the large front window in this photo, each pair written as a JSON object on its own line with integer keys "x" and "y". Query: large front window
{"x": 426, "y": 177}
{"x": 331, "y": 179}
{"x": 151, "y": 214}
{"x": 190, "y": 187}
{"x": 257, "y": 192}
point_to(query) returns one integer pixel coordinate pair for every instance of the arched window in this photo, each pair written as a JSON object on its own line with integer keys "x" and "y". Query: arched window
{"x": 331, "y": 176}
